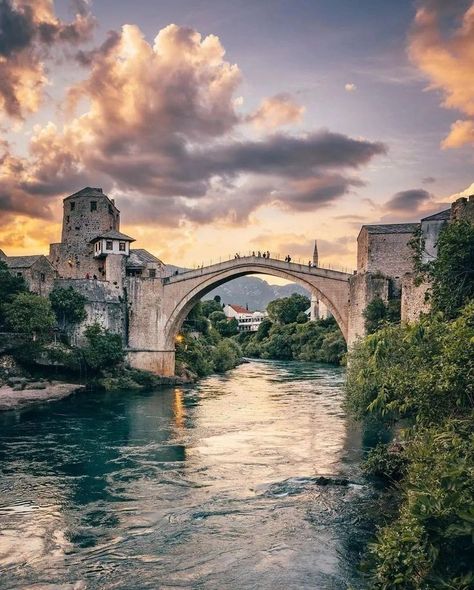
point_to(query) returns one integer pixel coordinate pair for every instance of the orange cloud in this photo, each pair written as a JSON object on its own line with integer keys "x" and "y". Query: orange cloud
{"x": 449, "y": 64}
{"x": 277, "y": 111}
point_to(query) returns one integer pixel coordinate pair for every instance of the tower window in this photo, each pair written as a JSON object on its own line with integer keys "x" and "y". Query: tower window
{"x": 93, "y": 205}
{"x": 43, "y": 277}
{"x": 152, "y": 273}
{"x": 122, "y": 246}
{"x": 73, "y": 205}
{"x": 19, "y": 274}
{"x": 109, "y": 245}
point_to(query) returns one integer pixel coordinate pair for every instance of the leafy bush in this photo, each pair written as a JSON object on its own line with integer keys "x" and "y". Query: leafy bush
{"x": 286, "y": 309}
{"x": 378, "y": 313}
{"x": 10, "y": 286}
{"x": 452, "y": 273}
{"x": 226, "y": 355}
{"x": 386, "y": 461}
{"x": 68, "y": 305}
{"x": 422, "y": 371}
{"x": 422, "y": 374}
{"x": 31, "y": 314}
{"x": 430, "y": 543}
{"x": 104, "y": 350}
{"x": 228, "y": 327}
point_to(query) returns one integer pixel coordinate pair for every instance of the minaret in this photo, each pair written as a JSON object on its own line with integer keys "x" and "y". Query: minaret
{"x": 315, "y": 254}
{"x": 314, "y": 298}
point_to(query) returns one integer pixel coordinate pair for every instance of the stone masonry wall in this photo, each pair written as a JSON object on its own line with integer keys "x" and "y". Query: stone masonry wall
{"x": 81, "y": 225}
{"x": 413, "y": 299}
{"x": 389, "y": 254}
{"x": 105, "y": 306}
{"x": 363, "y": 288}
{"x": 75, "y": 264}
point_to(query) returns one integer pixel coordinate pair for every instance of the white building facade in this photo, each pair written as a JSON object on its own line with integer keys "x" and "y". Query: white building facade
{"x": 248, "y": 321}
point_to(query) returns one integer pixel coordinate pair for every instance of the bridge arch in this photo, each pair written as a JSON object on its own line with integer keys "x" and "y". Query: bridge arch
{"x": 330, "y": 286}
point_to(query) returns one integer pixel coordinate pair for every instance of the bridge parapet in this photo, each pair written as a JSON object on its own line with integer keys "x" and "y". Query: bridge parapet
{"x": 266, "y": 264}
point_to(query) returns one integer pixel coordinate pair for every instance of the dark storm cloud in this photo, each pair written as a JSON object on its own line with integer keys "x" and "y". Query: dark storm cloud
{"x": 408, "y": 201}
{"x": 16, "y": 28}
{"x": 29, "y": 31}
{"x": 292, "y": 157}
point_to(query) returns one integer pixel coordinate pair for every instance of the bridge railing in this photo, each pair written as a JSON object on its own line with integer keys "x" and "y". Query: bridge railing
{"x": 255, "y": 254}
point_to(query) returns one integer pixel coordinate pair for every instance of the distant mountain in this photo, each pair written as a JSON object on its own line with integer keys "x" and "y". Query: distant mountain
{"x": 251, "y": 291}
{"x": 254, "y": 292}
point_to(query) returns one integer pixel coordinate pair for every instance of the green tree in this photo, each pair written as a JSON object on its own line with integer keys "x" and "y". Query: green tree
{"x": 68, "y": 305}
{"x": 10, "y": 286}
{"x": 286, "y": 309}
{"x": 30, "y": 314}
{"x": 374, "y": 315}
{"x": 104, "y": 349}
{"x": 216, "y": 317}
{"x": 263, "y": 329}
{"x": 452, "y": 273}
{"x": 210, "y": 305}
{"x": 226, "y": 355}
{"x": 196, "y": 321}
{"x": 227, "y": 328}
{"x": 302, "y": 318}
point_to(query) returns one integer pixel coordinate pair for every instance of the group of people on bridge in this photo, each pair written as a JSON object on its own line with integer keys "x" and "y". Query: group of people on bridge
{"x": 266, "y": 255}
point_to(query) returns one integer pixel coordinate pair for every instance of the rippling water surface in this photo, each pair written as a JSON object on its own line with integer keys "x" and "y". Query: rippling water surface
{"x": 210, "y": 487}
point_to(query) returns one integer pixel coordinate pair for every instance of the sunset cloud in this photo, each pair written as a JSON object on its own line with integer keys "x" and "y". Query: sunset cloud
{"x": 277, "y": 111}
{"x": 29, "y": 31}
{"x": 410, "y": 205}
{"x": 158, "y": 126}
{"x": 447, "y": 61}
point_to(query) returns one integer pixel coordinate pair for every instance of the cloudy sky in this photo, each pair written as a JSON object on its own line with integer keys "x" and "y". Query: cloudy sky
{"x": 221, "y": 126}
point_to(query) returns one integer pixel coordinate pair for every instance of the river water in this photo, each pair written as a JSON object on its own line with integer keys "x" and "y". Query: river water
{"x": 213, "y": 486}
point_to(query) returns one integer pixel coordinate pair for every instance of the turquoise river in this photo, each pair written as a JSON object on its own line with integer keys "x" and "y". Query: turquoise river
{"x": 248, "y": 480}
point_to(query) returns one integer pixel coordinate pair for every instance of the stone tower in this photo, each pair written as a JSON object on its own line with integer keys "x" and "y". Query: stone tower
{"x": 314, "y": 298}
{"x": 86, "y": 215}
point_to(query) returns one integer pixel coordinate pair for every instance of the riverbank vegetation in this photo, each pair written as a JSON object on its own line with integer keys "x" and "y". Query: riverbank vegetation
{"x": 36, "y": 347}
{"x": 287, "y": 334}
{"x": 419, "y": 380}
{"x": 204, "y": 345}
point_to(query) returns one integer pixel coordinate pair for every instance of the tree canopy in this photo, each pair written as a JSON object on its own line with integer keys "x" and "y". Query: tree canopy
{"x": 286, "y": 309}
{"x": 68, "y": 305}
{"x": 31, "y": 314}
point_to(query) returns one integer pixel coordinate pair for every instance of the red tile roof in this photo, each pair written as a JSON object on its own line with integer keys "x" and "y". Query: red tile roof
{"x": 239, "y": 308}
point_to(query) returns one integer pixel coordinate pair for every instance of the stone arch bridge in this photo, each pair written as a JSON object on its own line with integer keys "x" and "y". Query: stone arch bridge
{"x": 158, "y": 307}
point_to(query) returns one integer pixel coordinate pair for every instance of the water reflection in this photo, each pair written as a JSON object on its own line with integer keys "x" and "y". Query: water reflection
{"x": 205, "y": 487}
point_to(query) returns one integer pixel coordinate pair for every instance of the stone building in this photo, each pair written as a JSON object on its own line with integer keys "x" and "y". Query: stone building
{"x": 87, "y": 214}
{"x": 37, "y": 271}
{"x": 385, "y": 249}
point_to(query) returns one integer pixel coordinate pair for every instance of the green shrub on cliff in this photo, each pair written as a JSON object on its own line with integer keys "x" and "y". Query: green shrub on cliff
{"x": 422, "y": 374}
{"x": 68, "y": 305}
{"x": 421, "y": 371}
{"x": 104, "y": 350}
{"x": 30, "y": 314}
{"x": 10, "y": 286}
{"x": 452, "y": 273}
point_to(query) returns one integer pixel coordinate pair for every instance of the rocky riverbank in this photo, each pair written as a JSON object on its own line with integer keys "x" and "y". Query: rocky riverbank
{"x": 19, "y": 392}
